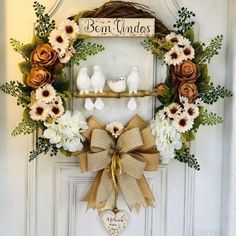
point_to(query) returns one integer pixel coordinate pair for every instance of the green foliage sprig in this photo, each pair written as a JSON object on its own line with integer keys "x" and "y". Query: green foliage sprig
{"x": 157, "y": 46}
{"x": 211, "y": 118}
{"x": 188, "y": 158}
{"x": 26, "y": 126}
{"x": 44, "y": 25}
{"x": 18, "y": 90}
{"x": 210, "y": 51}
{"x": 184, "y": 22}
{"x": 211, "y": 96}
{"x": 17, "y": 46}
{"x": 84, "y": 50}
{"x": 43, "y": 146}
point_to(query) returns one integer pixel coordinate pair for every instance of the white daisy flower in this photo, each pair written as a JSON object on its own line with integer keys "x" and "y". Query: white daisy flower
{"x": 174, "y": 38}
{"x": 39, "y": 111}
{"x": 58, "y": 40}
{"x": 189, "y": 52}
{"x": 70, "y": 28}
{"x": 192, "y": 110}
{"x": 45, "y": 94}
{"x": 175, "y": 56}
{"x": 173, "y": 110}
{"x": 199, "y": 102}
{"x": 60, "y": 51}
{"x": 115, "y": 129}
{"x": 184, "y": 42}
{"x": 183, "y": 123}
{"x": 183, "y": 100}
{"x": 66, "y": 57}
{"x": 72, "y": 50}
{"x": 56, "y": 109}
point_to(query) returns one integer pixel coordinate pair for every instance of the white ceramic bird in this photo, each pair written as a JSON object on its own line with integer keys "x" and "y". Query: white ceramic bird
{"x": 83, "y": 80}
{"x": 99, "y": 104}
{"x": 88, "y": 105}
{"x": 133, "y": 80}
{"x": 118, "y": 85}
{"x": 97, "y": 79}
{"x": 132, "y": 105}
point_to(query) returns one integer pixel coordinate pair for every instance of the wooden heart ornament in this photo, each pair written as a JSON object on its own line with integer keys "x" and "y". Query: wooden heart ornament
{"x": 115, "y": 222}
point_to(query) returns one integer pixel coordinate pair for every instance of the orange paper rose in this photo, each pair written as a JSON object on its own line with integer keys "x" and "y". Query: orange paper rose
{"x": 187, "y": 72}
{"x": 38, "y": 77}
{"x": 44, "y": 56}
{"x": 188, "y": 90}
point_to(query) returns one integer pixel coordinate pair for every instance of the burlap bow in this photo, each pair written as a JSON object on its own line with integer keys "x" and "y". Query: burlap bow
{"x": 128, "y": 157}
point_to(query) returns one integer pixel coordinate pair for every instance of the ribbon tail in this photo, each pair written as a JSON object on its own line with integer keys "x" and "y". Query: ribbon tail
{"x": 146, "y": 191}
{"x": 91, "y": 195}
{"x": 104, "y": 190}
{"x": 131, "y": 191}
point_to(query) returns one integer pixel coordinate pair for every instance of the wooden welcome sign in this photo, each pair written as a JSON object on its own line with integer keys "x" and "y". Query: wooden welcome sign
{"x": 117, "y": 27}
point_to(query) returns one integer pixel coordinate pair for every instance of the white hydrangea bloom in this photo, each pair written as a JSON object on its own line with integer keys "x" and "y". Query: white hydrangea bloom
{"x": 66, "y": 131}
{"x": 167, "y": 138}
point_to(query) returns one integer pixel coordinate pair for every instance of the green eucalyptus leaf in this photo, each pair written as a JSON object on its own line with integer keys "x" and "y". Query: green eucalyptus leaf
{"x": 61, "y": 85}
{"x": 27, "y": 49}
{"x": 67, "y": 94}
{"x": 37, "y": 40}
{"x": 189, "y": 136}
{"x": 189, "y": 34}
{"x": 24, "y": 66}
{"x": 65, "y": 152}
{"x": 204, "y": 73}
{"x": 198, "y": 48}
{"x": 168, "y": 81}
{"x": 203, "y": 87}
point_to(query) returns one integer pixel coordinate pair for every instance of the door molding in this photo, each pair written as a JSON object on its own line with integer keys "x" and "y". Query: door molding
{"x": 172, "y": 6}
{"x": 228, "y": 226}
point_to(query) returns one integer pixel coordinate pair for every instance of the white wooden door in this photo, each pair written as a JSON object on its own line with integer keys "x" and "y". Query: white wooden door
{"x": 42, "y": 198}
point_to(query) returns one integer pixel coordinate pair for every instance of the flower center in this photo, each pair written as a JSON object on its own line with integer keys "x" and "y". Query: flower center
{"x": 174, "y": 40}
{"x": 190, "y": 111}
{"x": 59, "y": 39}
{"x": 46, "y": 93}
{"x": 174, "y": 55}
{"x": 39, "y": 110}
{"x": 55, "y": 110}
{"x": 69, "y": 29}
{"x": 173, "y": 110}
{"x": 115, "y": 129}
{"x": 182, "y": 122}
{"x": 187, "y": 51}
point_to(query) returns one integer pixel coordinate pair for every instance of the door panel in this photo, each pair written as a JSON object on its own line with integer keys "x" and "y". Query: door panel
{"x": 44, "y": 197}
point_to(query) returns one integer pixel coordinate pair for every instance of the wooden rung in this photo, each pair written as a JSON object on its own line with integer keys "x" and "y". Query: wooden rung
{"x": 110, "y": 94}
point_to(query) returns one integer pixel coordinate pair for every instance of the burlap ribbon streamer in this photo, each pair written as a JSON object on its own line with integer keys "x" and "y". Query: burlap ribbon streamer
{"x": 136, "y": 152}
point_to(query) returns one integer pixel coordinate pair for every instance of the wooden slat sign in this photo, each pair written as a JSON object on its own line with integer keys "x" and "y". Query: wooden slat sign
{"x": 117, "y": 27}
